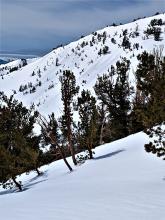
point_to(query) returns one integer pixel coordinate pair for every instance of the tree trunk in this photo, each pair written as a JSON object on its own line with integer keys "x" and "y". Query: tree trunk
{"x": 72, "y": 154}
{"x": 38, "y": 172}
{"x": 101, "y": 133}
{"x": 53, "y": 141}
{"x": 71, "y": 147}
{"x": 18, "y": 185}
{"x": 64, "y": 158}
{"x": 103, "y": 119}
{"x": 90, "y": 152}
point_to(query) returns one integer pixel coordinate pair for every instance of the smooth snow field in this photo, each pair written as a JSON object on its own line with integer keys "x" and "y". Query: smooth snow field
{"x": 123, "y": 182}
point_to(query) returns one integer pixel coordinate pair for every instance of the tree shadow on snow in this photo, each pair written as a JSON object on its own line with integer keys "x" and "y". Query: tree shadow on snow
{"x": 29, "y": 185}
{"x": 43, "y": 174}
{"x": 26, "y": 186}
{"x": 109, "y": 155}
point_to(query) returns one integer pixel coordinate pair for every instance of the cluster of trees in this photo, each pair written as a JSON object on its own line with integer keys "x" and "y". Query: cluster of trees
{"x": 19, "y": 147}
{"x": 151, "y": 86}
{"x": 154, "y": 29}
{"x": 115, "y": 111}
{"x": 126, "y": 43}
{"x": 157, "y": 22}
{"x": 29, "y": 87}
{"x": 103, "y": 50}
{"x": 15, "y": 68}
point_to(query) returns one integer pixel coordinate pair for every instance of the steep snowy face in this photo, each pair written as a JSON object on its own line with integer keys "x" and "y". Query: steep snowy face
{"x": 37, "y": 81}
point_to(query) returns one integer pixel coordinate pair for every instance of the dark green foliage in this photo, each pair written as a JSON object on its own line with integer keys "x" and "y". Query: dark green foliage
{"x": 50, "y": 132}
{"x": 68, "y": 91}
{"x": 136, "y": 45}
{"x": 135, "y": 121}
{"x": 105, "y": 50}
{"x": 88, "y": 121}
{"x": 52, "y": 125}
{"x": 115, "y": 96}
{"x": 151, "y": 86}
{"x": 113, "y": 40}
{"x": 57, "y": 62}
{"x": 81, "y": 158}
{"x": 156, "y": 22}
{"x": 19, "y": 147}
{"x": 155, "y": 31}
{"x": 125, "y": 32}
{"x": 13, "y": 69}
{"x": 157, "y": 146}
{"x": 101, "y": 121}
{"x": 126, "y": 44}
{"x": 24, "y": 62}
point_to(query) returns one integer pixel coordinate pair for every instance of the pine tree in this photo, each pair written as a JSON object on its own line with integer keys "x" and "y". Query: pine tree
{"x": 150, "y": 76}
{"x": 151, "y": 83}
{"x": 19, "y": 148}
{"x": 88, "y": 121}
{"x": 157, "y": 33}
{"x": 50, "y": 133}
{"x": 157, "y": 146}
{"x": 126, "y": 44}
{"x": 135, "y": 121}
{"x": 68, "y": 91}
{"x": 115, "y": 95}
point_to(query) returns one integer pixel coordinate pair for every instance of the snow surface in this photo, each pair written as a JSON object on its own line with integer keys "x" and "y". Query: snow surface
{"x": 84, "y": 62}
{"x": 122, "y": 182}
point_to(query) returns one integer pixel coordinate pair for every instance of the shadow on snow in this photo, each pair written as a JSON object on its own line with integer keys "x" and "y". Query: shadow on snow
{"x": 109, "y": 154}
{"x": 26, "y": 186}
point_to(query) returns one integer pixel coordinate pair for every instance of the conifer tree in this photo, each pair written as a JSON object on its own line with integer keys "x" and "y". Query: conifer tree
{"x": 151, "y": 83}
{"x": 115, "y": 95}
{"x": 150, "y": 76}
{"x": 88, "y": 121}
{"x": 125, "y": 43}
{"x": 68, "y": 91}
{"x": 19, "y": 147}
{"x": 157, "y": 145}
{"x": 50, "y": 133}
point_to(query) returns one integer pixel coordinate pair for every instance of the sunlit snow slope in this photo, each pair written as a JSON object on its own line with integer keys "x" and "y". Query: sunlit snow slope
{"x": 122, "y": 182}
{"x": 82, "y": 58}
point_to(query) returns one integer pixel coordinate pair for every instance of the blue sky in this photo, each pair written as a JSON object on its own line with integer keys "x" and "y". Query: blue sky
{"x": 36, "y": 26}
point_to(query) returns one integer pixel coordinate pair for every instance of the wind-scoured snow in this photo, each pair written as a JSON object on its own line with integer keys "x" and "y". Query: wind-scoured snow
{"x": 122, "y": 182}
{"x": 84, "y": 61}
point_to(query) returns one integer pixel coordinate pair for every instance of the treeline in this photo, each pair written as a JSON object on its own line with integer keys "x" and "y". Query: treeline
{"x": 116, "y": 110}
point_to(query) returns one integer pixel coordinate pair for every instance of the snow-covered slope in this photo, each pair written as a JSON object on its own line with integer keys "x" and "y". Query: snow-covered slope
{"x": 82, "y": 58}
{"x": 122, "y": 182}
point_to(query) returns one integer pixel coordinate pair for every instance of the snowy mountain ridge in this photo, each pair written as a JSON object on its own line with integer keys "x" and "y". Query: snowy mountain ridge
{"x": 87, "y": 58}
